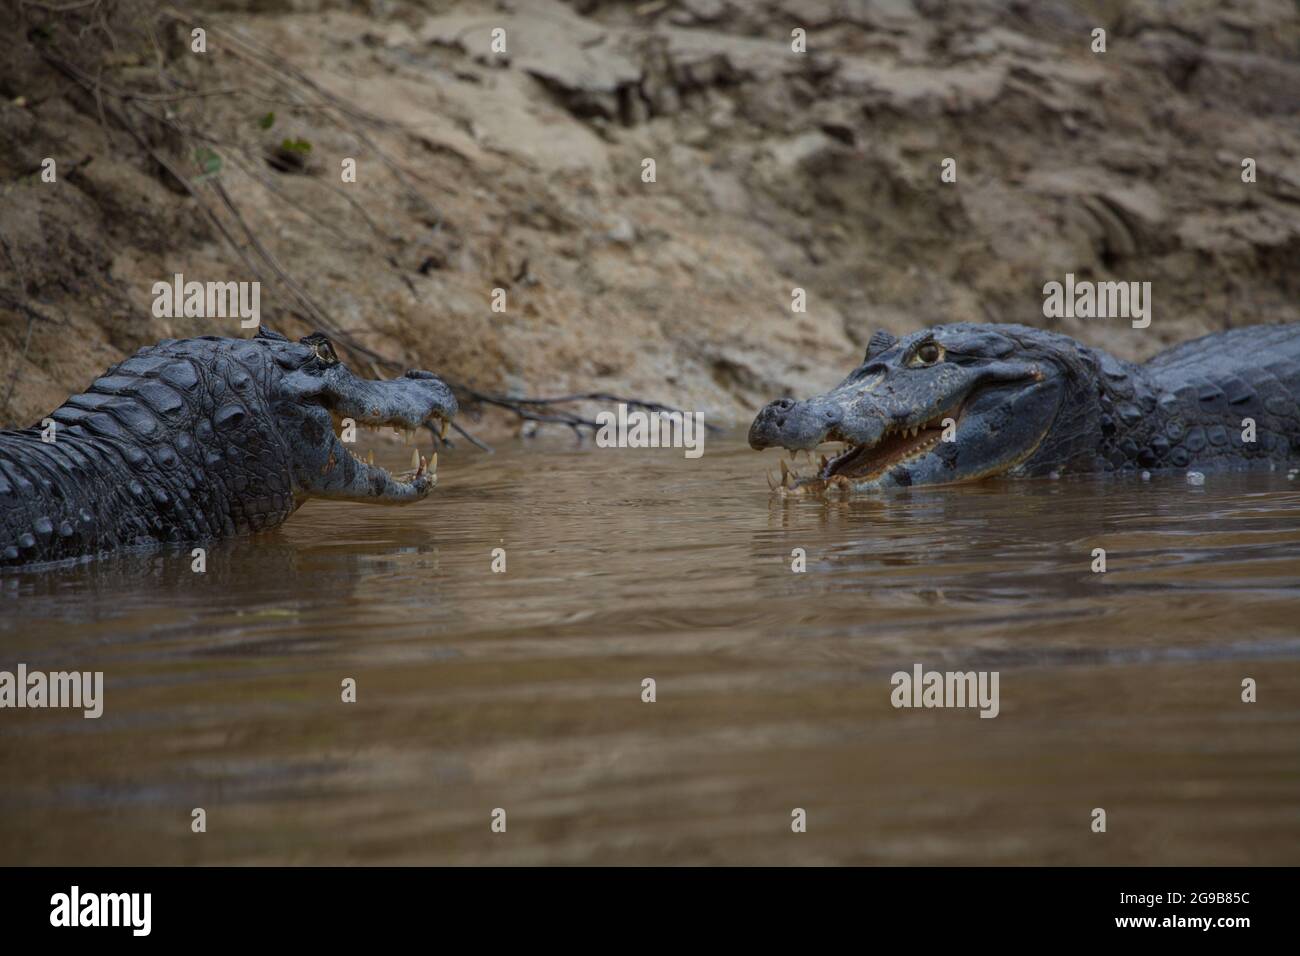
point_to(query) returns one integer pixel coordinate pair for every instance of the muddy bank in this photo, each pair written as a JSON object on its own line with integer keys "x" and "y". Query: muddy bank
{"x": 523, "y": 171}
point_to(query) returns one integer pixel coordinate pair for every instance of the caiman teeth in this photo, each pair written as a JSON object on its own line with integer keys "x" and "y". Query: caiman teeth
{"x": 420, "y": 466}
{"x": 896, "y": 446}
{"x": 859, "y": 461}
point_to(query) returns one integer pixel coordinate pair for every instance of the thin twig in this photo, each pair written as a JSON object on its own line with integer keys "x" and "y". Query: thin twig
{"x": 58, "y": 8}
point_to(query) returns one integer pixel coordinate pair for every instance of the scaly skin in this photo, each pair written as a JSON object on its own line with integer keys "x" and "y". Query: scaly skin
{"x": 194, "y": 440}
{"x": 1021, "y": 401}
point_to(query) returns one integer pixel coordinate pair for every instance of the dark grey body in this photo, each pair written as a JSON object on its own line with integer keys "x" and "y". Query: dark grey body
{"x": 1032, "y": 402}
{"x": 1185, "y": 407}
{"x": 204, "y": 438}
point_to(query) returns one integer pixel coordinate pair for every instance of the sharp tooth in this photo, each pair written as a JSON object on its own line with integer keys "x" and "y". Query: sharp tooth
{"x": 771, "y": 482}
{"x": 785, "y": 474}
{"x": 415, "y": 458}
{"x": 370, "y": 457}
{"x": 824, "y": 462}
{"x": 433, "y": 463}
{"x": 442, "y": 432}
{"x": 421, "y": 465}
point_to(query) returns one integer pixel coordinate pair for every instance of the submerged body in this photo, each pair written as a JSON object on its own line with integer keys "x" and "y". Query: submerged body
{"x": 967, "y": 401}
{"x": 199, "y": 439}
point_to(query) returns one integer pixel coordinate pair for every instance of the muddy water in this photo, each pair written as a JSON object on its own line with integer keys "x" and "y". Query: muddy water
{"x": 522, "y": 690}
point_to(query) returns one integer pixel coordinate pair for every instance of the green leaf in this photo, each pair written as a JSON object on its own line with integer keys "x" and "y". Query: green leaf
{"x": 296, "y": 146}
{"x": 209, "y": 162}
{"x": 267, "y": 121}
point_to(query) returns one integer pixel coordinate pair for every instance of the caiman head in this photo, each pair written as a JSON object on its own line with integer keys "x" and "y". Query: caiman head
{"x": 315, "y": 396}
{"x": 954, "y": 403}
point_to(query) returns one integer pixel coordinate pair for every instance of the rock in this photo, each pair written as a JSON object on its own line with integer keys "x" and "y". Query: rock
{"x": 621, "y": 232}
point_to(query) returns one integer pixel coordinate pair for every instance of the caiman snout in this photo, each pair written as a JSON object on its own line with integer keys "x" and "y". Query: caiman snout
{"x": 786, "y": 423}
{"x": 430, "y": 397}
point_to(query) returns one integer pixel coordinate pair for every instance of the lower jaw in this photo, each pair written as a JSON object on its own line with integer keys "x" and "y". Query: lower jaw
{"x": 887, "y": 478}
{"x": 420, "y": 464}
{"x": 836, "y": 484}
{"x": 844, "y": 484}
{"x": 876, "y": 478}
{"x": 421, "y": 467}
{"x": 881, "y": 476}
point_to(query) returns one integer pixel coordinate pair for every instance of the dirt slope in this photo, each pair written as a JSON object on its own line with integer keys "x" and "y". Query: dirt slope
{"x": 523, "y": 171}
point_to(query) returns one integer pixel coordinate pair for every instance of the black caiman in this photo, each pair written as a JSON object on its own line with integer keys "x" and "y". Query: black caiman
{"x": 957, "y": 403}
{"x": 198, "y": 439}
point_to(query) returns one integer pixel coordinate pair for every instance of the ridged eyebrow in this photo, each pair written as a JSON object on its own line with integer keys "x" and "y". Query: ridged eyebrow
{"x": 924, "y": 340}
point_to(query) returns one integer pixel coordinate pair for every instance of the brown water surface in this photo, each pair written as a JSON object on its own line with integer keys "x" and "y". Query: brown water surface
{"x": 523, "y": 690}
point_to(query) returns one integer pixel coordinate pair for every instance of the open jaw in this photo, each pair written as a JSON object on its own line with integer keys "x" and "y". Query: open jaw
{"x": 861, "y": 464}
{"x": 420, "y": 466}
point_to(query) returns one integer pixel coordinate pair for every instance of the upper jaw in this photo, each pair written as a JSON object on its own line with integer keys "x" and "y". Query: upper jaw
{"x": 416, "y": 399}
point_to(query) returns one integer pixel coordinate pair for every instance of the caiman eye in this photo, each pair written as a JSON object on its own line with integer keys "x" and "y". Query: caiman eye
{"x": 927, "y": 354}
{"x": 325, "y": 352}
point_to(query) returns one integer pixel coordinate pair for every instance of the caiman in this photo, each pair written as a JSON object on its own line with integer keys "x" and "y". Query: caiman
{"x": 200, "y": 439}
{"x": 962, "y": 402}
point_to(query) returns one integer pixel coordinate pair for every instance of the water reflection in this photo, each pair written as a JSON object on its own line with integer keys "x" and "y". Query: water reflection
{"x": 523, "y": 690}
